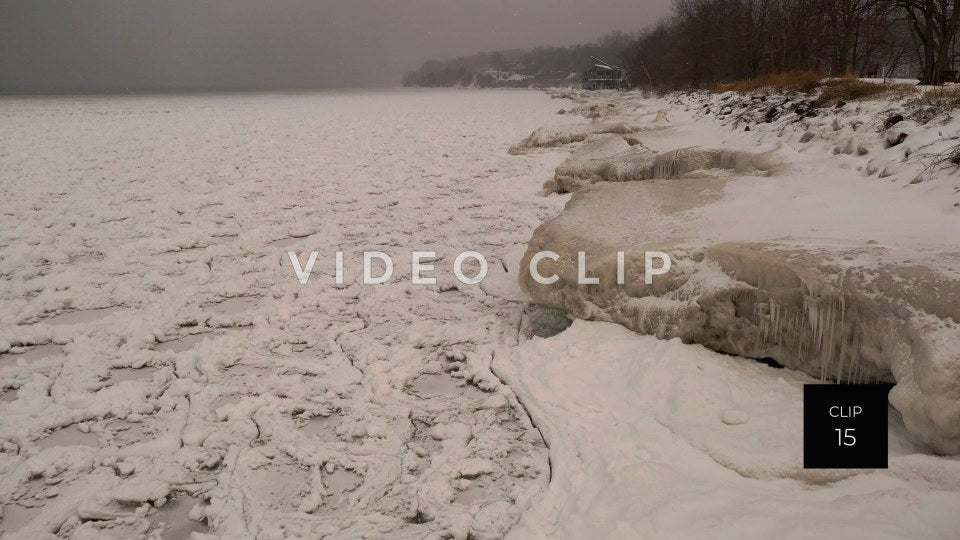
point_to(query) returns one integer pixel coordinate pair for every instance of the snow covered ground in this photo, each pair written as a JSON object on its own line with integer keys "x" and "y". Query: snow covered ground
{"x": 161, "y": 361}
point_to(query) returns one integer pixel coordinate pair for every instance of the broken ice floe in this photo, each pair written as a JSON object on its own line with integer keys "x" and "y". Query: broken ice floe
{"x": 142, "y": 422}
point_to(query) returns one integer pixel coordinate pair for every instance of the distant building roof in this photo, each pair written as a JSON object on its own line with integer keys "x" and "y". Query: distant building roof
{"x": 603, "y": 64}
{"x": 603, "y": 75}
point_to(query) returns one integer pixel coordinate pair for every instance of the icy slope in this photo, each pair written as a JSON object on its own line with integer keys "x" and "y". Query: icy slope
{"x": 656, "y": 439}
{"x": 802, "y": 264}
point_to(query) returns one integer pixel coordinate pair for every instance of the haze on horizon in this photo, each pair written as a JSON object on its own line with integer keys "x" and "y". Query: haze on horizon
{"x": 48, "y": 45}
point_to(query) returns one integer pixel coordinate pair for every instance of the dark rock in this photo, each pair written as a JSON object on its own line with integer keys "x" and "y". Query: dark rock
{"x": 805, "y": 110}
{"x": 892, "y": 121}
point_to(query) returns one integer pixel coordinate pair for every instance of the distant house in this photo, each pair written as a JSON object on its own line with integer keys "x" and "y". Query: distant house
{"x": 603, "y": 76}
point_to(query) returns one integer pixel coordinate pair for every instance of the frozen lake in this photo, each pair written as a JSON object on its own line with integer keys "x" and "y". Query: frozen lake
{"x": 163, "y": 371}
{"x": 148, "y": 301}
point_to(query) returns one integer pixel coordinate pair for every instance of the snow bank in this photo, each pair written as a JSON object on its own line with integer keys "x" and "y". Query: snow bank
{"x": 801, "y": 264}
{"x": 642, "y": 447}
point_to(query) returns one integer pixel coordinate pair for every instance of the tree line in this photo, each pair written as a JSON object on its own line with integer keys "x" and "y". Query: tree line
{"x": 710, "y": 41}
{"x": 704, "y": 42}
{"x": 538, "y": 67}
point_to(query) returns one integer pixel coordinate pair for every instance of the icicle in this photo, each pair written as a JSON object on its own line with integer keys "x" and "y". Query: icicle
{"x": 843, "y": 352}
{"x": 830, "y": 338}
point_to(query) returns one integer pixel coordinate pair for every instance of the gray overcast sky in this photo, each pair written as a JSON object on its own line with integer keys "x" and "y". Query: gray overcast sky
{"x": 247, "y": 43}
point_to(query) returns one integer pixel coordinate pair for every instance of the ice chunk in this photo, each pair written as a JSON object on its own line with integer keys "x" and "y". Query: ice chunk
{"x": 559, "y": 135}
{"x": 589, "y": 164}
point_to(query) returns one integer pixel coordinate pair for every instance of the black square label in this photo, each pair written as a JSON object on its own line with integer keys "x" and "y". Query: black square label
{"x": 845, "y": 426}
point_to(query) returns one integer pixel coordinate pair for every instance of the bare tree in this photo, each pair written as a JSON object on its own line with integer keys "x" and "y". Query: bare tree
{"x": 934, "y": 24}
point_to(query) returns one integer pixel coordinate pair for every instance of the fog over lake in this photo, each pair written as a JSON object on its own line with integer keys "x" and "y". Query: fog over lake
{"x": 111, "y": 44}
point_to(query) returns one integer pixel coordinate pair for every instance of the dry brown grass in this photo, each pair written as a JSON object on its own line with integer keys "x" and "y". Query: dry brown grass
{"x": 851, "y": 88}
{"x": 946, "y": 97}
{"x": 847, "y": 88}
{"x": 788, "y": 81}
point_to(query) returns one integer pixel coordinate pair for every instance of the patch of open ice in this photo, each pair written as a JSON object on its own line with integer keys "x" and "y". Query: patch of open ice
{"x": 82, "y": 316}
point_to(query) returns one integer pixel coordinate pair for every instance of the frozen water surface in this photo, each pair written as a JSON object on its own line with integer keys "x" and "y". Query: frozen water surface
{"x": 231, "y": 306}
{"x": 291, "y": 241}
{"x": 181, "y": 209}
{"x": 118, "y": 375}
{"x": 175, "y": 517}
{"x": 181, "y": 344}
{"x": 69, "y": 436}
{"x": 15, "y": 516}
{"x": 322, "y": 427}
{"x": 82, "y": 316}
{"x": 36, "y": 352}
{"x": 434, "y": 384}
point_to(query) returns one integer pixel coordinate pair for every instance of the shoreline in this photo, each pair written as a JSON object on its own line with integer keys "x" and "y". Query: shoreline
{"x": 758, "y": 254}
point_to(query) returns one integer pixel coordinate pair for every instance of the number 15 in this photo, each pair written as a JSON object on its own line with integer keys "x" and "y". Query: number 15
{"x": 845, "y": 437}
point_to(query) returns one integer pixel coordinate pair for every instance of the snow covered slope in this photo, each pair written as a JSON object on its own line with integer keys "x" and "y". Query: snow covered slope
{"x": 657, "y": 439}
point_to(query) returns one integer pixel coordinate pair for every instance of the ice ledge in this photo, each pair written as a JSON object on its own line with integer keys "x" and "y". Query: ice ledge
{"x": 837, "y": 310}
{"x": 611, "y": 158}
